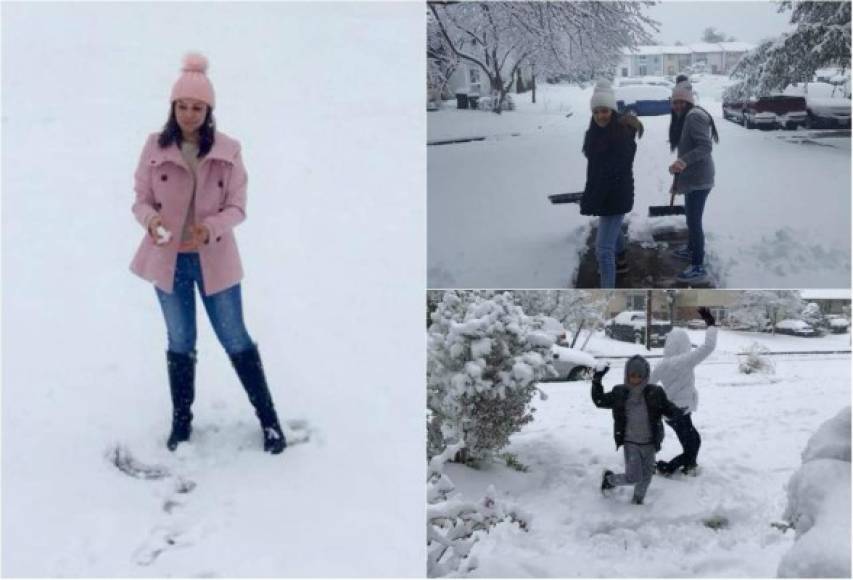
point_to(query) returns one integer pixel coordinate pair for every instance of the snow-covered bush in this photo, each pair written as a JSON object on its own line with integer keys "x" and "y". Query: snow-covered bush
{"x": 454, "y": 525}
{"x": 819, "y": 505}
{"x": 489, "y": 103}
{"x": 755, "y": 360}
{"x": 812, "y": 316}
{"x": 484, "y": 359}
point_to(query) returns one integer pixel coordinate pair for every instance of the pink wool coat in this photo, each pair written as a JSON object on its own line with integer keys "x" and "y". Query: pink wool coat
{"x": 164, "y": 187}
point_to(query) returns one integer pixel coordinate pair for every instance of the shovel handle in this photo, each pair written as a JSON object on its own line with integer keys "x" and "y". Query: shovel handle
{"x": 672, "y": 189}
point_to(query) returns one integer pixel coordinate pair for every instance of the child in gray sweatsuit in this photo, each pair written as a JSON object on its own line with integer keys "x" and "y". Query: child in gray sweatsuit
{"x": 637, "y": 410}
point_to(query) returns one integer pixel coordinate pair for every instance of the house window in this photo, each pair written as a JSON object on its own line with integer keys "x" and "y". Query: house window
{"x": 643, "y": 70}
{"x": 473, "y": 76}
{"x": 624, "y": 72}
{"x": 636, "y": 302}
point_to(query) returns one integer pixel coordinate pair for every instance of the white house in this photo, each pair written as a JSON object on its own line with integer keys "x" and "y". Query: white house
{"x": 659, "y": 60}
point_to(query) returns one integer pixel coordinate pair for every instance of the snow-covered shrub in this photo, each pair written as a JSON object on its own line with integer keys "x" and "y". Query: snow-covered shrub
{"x": 819, "y": 505}
{"x": 484, "y": 359}
{"x": 454, "y": 525}
{"x": 755, "y": 360}
{"x": 812, "y": 316}
{"x": 489, "y": 103}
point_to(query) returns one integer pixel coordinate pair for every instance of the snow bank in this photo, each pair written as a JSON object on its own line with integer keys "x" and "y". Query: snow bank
{"x": 819, "y": 505}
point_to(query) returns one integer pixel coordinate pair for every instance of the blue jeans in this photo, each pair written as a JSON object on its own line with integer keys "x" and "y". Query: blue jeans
{"x": 224, "y": 309}
{"x": 694, "y": 203}
{"x": 609, "y": 242}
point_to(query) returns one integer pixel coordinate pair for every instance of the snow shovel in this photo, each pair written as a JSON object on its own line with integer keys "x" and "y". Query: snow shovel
{"x": 566, "y": 197}
{"x": 671, "y": 209}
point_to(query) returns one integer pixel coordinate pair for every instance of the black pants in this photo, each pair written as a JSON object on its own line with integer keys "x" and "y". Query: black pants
{"x": 690, "y": 441}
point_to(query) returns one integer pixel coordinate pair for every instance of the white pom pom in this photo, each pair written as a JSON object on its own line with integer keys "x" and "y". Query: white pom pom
{"x": 195, "y": 62}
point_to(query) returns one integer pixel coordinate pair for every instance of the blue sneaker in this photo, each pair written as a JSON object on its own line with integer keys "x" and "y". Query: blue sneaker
{"x": 682, "y": 254}
{"x": 693, "y": 274}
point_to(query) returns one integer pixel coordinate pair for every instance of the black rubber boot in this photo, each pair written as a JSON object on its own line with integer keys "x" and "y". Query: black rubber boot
{"x": 251, "y": 372}
{"x": 181, "y": 368}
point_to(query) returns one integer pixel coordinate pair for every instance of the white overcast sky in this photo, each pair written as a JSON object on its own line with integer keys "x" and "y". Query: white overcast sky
{"x": 746, "y": 21}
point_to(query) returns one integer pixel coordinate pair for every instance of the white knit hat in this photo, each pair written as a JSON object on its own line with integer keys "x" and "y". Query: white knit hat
{"x": 603, "y": 96}
{"x": 683, "y": 91}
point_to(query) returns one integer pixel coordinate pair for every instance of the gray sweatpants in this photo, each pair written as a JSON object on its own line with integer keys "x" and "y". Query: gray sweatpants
{"x": 639, "y": 468}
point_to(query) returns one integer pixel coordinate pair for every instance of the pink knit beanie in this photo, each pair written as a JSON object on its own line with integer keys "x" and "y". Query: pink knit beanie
{"x": 683, "y": 91}
{"x": 193, "y": 83}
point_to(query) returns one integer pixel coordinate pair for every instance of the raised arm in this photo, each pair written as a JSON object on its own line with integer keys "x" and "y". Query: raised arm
{"x": 601, "y": 399}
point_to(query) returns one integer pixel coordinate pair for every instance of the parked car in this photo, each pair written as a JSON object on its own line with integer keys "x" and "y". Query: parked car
{"x": 655, "y": 81}
{"x": 572, "y": 364}
{"x": 644, "y": 99}
{"x": 826, "y": 105}
{"x": 795, "y": 328}
{"x": 837, "y": 324}
{"x": 630, "y": 326}
{"x": 696, "y": 324}
{"x": 770, "y": 112}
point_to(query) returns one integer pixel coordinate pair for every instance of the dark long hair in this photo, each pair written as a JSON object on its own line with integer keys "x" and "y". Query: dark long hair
{"x": 676, "y": 124}
{"x": 172, "y": 132}
{"x": 599, "y": 139}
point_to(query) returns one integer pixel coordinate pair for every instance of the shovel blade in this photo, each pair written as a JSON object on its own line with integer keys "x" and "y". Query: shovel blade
{"x": 666, "y": 210}
{"x": 566, "y": 197}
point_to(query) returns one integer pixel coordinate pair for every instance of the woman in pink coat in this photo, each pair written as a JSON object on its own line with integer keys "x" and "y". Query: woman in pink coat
{"x": 190, "y": 194}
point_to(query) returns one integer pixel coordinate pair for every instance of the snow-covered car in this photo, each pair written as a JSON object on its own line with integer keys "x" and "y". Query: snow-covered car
{"x": 796, "y": 328}
{"x": 770, "y": 112}
{"x": 655, "y": 81}
{"x": 837, "y": 324}
{"x": 696, "y": 324}
{"x": 630, "y": 326}
{"x": 572, "y": 364}
{"x": 644, "y": 100}
{"x": 826, "y": 105}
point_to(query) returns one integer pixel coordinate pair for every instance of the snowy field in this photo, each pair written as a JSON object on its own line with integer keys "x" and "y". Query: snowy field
{"x": 336, "y": 309}
{"x": 778, "y": 217}
{"x": 754, "y": 429}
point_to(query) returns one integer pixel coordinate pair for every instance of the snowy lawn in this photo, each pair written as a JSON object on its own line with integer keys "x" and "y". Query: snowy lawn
{"x": 715, "y": 524}
{"x": 336, "y": 309}
{"x": 778, "y": 217}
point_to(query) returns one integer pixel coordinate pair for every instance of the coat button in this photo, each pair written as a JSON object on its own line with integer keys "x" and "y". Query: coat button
{"x": 221, "y": 184}
{"x": 218, "y": 238}
{"x": 164, "y": 177}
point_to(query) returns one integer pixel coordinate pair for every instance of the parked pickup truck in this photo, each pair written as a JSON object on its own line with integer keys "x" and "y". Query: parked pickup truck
{"x": 772, "y": 111}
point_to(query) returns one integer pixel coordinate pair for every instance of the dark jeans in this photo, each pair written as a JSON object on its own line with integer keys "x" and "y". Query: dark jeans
{"x": 694, "y": 203}
{"x": 224, "y": 309}
{"x": 690, "y": 441}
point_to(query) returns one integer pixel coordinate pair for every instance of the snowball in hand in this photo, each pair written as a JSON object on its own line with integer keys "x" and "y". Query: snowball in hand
{"x": 163, "y": 235}
{"x": 602, "y": 366}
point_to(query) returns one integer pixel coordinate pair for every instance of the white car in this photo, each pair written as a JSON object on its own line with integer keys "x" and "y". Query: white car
{"x": 826, "y": 104}
{"x": 796, "y": 328}
{"x": 572, "y": 364}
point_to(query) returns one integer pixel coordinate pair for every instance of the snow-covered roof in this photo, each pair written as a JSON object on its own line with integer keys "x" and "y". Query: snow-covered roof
{"x": 705, "y": 47}
{"x": 674, "y": 49}
{"x": 643, "y": 50}
{"x": 831, "y": 294}
{"x": 737, "y": 46}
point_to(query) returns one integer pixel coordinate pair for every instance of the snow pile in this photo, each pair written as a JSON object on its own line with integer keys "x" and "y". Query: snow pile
{"x": 755, "y": 360}
{"x": 454, "y": 525}
{"x": 819, "y": 505}
{"x": 484, "y": 359}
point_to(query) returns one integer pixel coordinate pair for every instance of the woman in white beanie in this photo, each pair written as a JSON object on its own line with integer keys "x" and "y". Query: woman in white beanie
{"x": 691, "y": 130}
{"x": 609, "y": 147}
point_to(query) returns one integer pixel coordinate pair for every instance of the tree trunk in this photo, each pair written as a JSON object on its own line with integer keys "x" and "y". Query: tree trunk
{"x": 533, "y": 86}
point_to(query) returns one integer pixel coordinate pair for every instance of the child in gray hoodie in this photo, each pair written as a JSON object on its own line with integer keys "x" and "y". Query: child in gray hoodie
{"x": 637, "y": 409}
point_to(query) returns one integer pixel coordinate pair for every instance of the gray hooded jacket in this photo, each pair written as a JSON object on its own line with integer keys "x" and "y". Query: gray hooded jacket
{"x": 694, "y": 149}
{"x": 675, "y": 370}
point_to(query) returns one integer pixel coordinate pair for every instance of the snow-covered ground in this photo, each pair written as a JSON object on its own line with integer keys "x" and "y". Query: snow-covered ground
{"x": 337, "y": 310}
{"x": 754, "y": 429}
{"x": 778, "y": 217}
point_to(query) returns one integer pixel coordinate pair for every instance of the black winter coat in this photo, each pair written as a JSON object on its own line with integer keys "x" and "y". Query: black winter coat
{"x": 656, "y": 401}
{"x": 610, "y": 154}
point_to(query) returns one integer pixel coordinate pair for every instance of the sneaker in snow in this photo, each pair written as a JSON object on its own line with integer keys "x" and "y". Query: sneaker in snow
{"x": 663, "y": 468}
{"x": 622, "y": 264}
{"x": 690, "y": 470}
{"x": 693, "y": 274}
{"x": 637, "y": 500}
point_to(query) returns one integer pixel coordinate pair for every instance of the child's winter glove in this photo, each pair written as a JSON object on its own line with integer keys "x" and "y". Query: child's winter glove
{"x": 707, "y": 316}
{"x": 599, "y": 373}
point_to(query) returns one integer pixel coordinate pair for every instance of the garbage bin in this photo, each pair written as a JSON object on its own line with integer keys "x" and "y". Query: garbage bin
{"x": 461, "y": 100}
{"x": 473, "y": 100}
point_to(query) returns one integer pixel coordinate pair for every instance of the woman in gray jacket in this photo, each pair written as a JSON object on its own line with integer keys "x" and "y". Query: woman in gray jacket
{"x": 675, "y": 374}
{"x": 691, "y": 130}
